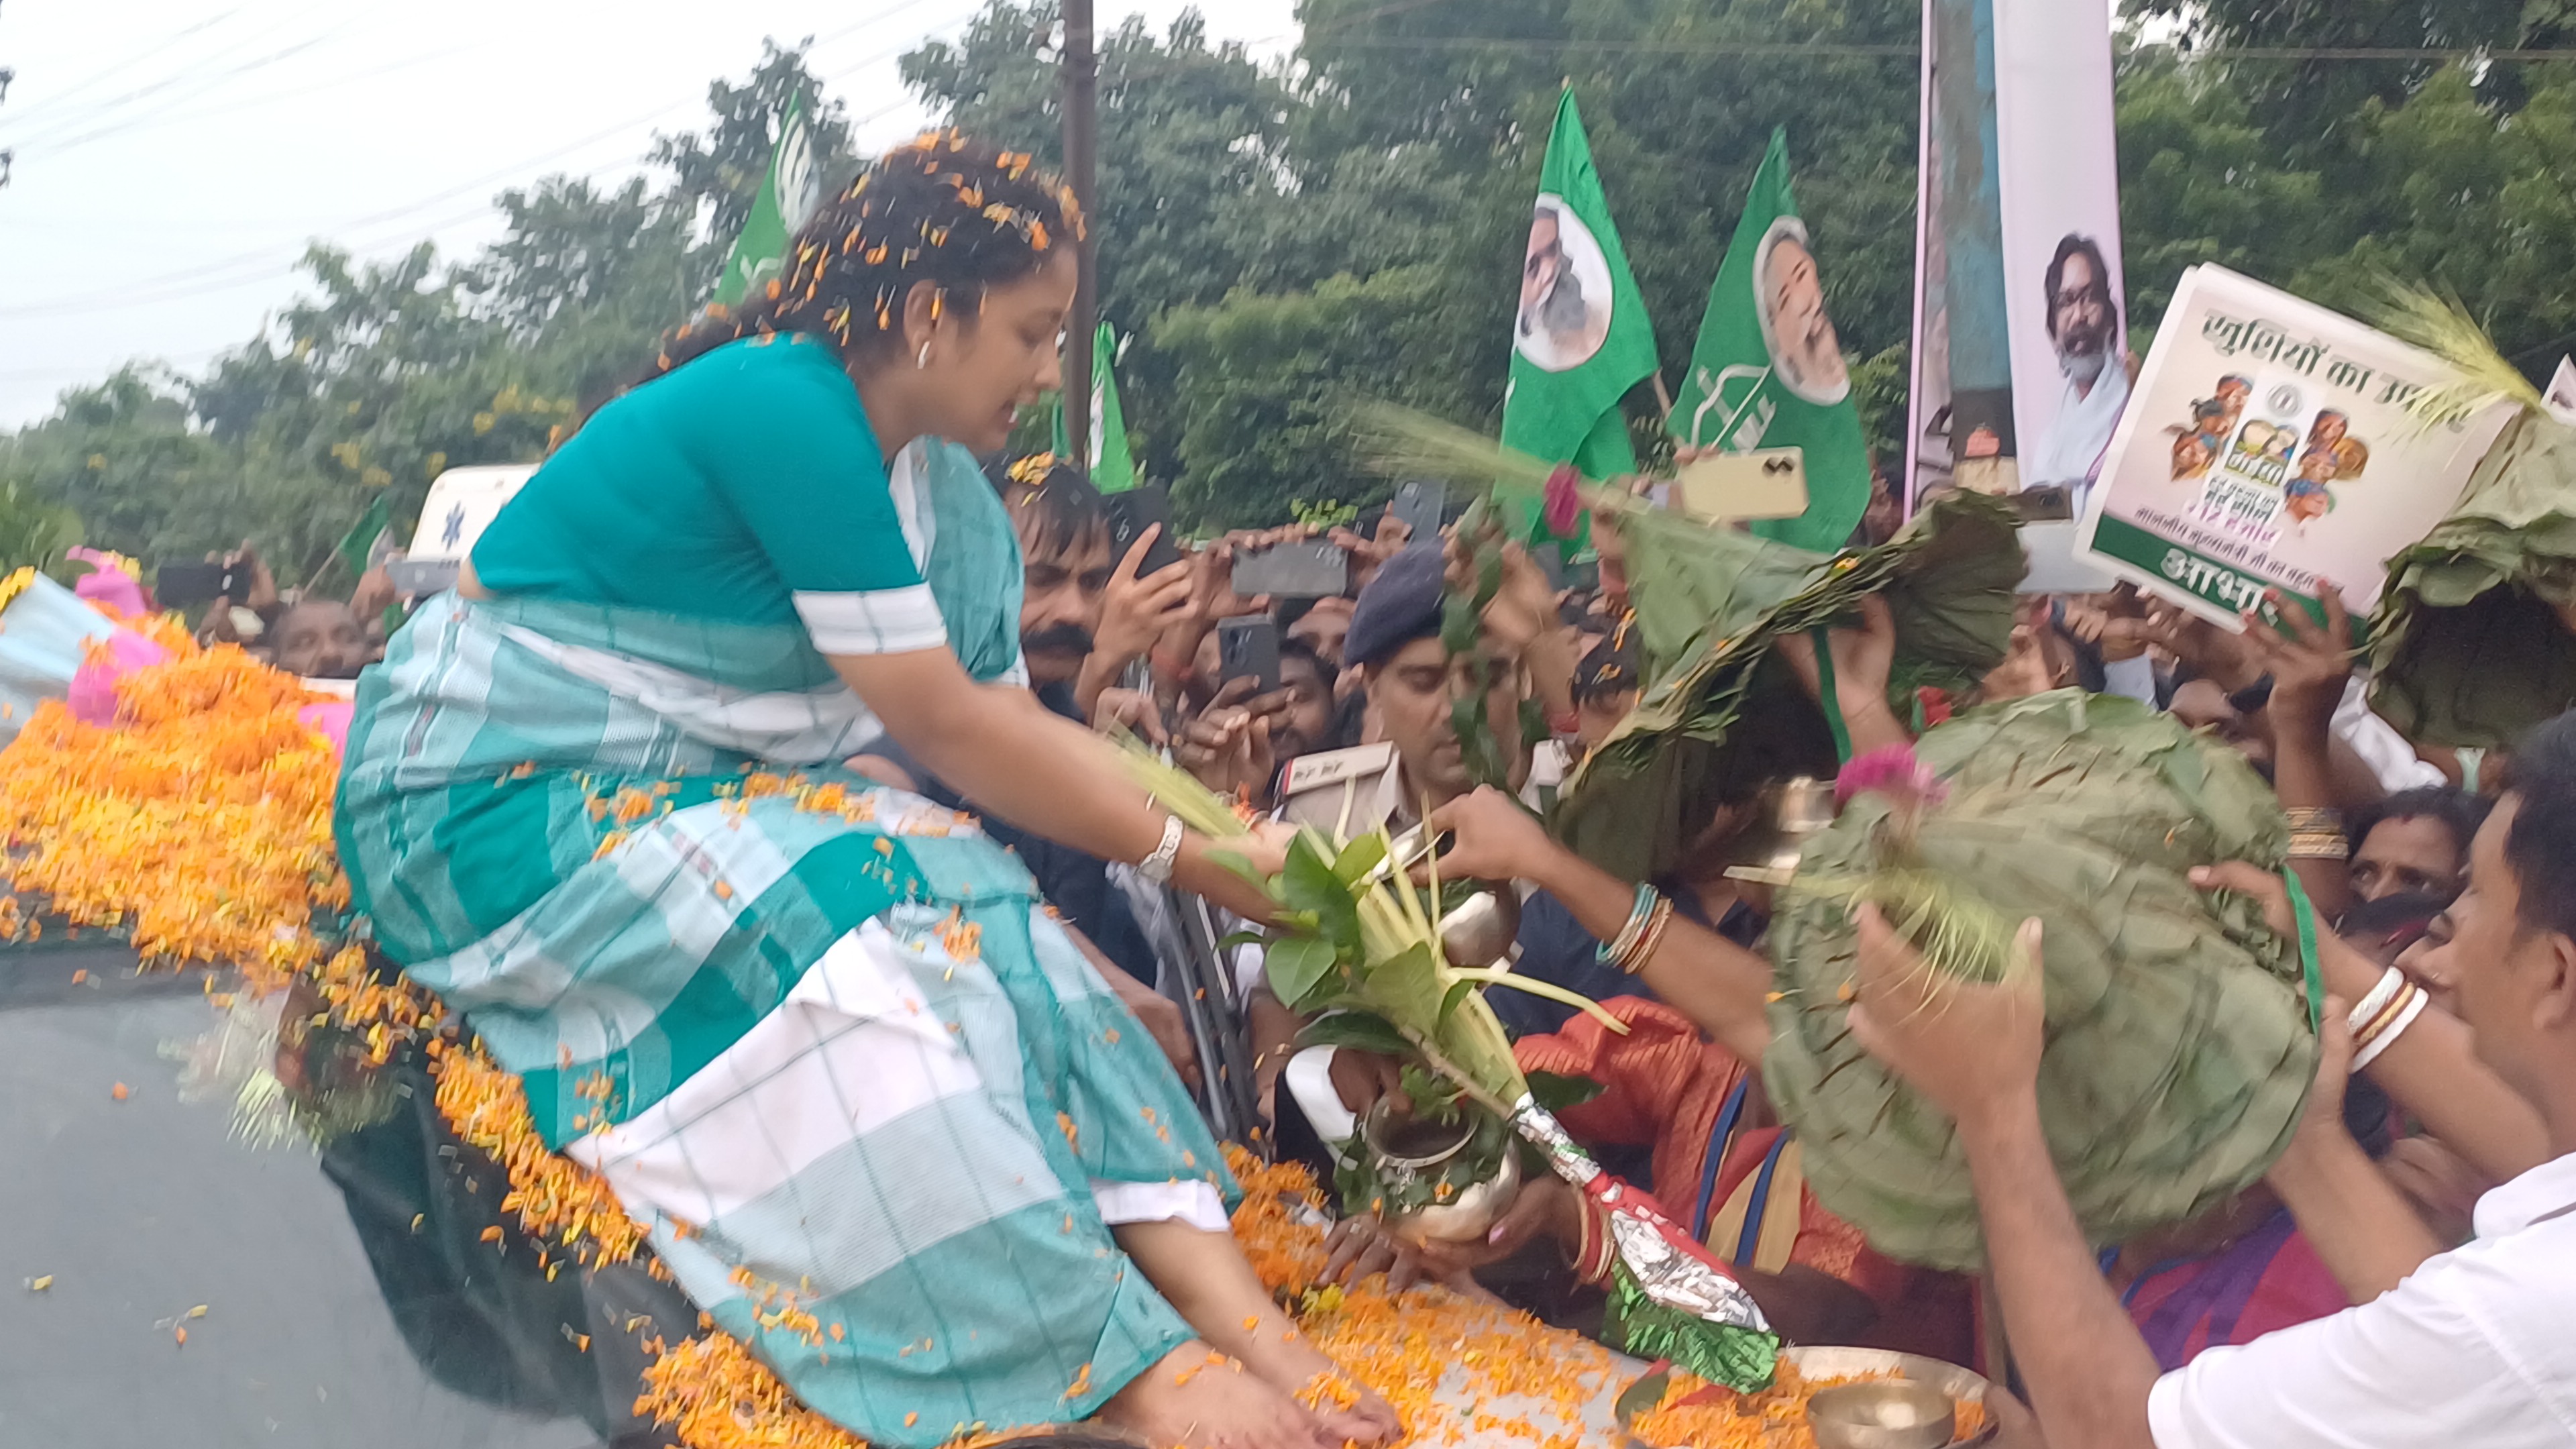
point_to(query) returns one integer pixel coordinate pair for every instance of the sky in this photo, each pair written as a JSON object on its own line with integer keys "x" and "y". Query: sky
{"x": 173, "y": 158}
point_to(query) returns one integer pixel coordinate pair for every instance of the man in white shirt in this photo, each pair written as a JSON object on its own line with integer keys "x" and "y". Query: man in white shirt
{"x": 2084, "y": 323}
{"x": 2474, "y": 1347}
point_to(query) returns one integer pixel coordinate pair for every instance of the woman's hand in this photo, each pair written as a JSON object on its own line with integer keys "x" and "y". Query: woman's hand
{"x": 1135, "y": 612}
{"x": 1497, "y": 839}
{"x": 1547, "y": 1207}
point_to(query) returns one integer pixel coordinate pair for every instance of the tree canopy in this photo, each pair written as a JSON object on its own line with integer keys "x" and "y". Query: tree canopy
{"x": 1279, "y": 238}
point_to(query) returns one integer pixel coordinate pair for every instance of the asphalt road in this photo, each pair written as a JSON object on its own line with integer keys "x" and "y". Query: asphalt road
{"x": 348, "y": 1298}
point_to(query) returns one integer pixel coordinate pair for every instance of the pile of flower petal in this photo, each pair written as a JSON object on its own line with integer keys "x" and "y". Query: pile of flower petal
{"x": 200, "y": 823}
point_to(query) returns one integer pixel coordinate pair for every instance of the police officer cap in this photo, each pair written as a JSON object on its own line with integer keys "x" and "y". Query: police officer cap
{"x": 1401, "y": 604}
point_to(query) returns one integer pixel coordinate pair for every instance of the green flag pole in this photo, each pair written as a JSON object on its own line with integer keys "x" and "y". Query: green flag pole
{"x": 1768, "y": 369}
{"x": 787, "y": 196}
{"x": 1111, "y": 467}
{"x": 1580, "y": 335}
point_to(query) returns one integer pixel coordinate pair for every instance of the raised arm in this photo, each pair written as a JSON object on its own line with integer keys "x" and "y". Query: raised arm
{"x": 1719, "y": 985}
{"x": 1973, "y": 1049}
{"x": 2351, "y": 1213}
{"x": 2431, "y": 1072}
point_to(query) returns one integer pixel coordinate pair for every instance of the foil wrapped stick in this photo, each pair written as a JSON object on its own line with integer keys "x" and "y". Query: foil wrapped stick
{"x": 1669, "y": 1297}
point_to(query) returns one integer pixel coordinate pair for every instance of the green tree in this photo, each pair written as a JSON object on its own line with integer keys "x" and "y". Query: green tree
{"x": 716, "y": 172}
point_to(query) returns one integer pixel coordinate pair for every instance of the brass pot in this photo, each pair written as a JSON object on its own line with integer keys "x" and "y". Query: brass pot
{"x": 1405, "y": 1152}
{"x": 1478, "y": 931}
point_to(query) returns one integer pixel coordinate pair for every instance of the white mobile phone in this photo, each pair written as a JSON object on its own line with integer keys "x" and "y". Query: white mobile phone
{"x": 1765, "y": 483}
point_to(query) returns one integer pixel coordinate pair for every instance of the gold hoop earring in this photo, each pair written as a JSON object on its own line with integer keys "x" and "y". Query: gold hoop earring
{"x": 922, "y": 362}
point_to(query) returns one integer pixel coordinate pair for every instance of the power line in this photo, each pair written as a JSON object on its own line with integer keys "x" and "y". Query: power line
{"x": 248, "y": 268}
{"x": 123, "y": 66}
{"x": 1828, "y": 50}
{"x": 197, "y": 81}
{"x": 118, "y": 128}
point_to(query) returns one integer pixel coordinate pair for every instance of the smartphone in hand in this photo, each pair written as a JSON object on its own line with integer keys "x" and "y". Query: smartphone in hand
{"x": 180, "y": 584}
{"x": 1247, "y": 646}
{"x": 1305, "y": 570}
{"x": 1130, "y": 514}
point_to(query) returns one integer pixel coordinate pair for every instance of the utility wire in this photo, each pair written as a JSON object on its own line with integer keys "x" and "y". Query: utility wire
{"x": 248, "y": 268}
{"x": 127, "y": 64}
{"x": 196, "y": 79}
{"x": 158, "y": 119}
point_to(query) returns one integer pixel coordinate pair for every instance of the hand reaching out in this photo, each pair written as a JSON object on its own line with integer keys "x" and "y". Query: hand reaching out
{"x": 1497, "y": 839}
{"x": 1863, "y": 657}
{"x": 2310, "y": 663}
{"x": 1972, "y": 1047}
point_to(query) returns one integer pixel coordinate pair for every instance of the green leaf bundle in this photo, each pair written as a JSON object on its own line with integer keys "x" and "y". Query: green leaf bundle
{"x": 2179, "y": 1051}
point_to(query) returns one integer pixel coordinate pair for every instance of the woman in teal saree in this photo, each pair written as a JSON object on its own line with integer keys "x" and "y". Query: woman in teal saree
{"x": 821, "y": 1036}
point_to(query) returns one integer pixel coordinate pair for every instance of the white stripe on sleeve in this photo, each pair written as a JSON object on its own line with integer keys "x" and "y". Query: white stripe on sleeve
{"x": 1190, "y": 1201}
{"x": 877, "y": 621}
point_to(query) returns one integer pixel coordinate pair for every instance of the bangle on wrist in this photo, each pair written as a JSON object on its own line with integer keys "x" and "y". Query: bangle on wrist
{"x": 1639, "y": 912}
{"x": 1642, "y": 949}
{"x": 2373, "y": 1002}
{"x": 2399, "y": 1015}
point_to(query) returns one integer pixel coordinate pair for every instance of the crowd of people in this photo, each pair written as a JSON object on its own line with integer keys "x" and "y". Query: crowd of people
{"x": 799, "y": 545}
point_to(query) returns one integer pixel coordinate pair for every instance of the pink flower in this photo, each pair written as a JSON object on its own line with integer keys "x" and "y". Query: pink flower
{"x": 1564, "y": 503}
{"x": 1893, "y": 771}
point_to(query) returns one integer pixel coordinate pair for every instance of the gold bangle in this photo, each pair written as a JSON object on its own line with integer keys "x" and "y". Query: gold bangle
{"x": 2319, "y": 845}
{"x": 1644, "y": 947}
{"x": 2309, "y": 818}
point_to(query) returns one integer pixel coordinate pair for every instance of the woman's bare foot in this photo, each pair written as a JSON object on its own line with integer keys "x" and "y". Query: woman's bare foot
{"x": 1197, "y": 1398}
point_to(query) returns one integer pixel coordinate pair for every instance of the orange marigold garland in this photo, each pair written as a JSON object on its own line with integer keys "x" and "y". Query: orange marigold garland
{"x": 201, "y": 823}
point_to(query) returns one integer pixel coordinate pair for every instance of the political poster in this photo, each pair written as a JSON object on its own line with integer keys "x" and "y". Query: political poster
{"x": 2058, "y": 184}
{"x": 2270, "y": 446}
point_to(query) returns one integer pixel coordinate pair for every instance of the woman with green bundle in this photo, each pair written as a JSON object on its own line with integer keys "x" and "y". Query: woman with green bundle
{"x": 884, "y": 1121}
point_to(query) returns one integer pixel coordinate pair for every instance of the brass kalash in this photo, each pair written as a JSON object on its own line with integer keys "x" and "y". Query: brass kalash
{"x": 1477, "y": 932}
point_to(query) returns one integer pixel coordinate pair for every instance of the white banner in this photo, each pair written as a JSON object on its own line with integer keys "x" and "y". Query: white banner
{"x": 2059, "y": 180}
{"x": 2270, "y": 446}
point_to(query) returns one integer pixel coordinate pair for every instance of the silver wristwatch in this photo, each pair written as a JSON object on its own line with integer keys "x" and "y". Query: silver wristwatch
{"x": 1158, "y": 866}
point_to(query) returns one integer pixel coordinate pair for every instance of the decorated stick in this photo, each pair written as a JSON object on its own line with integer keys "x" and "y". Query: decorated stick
{"x": 1669, "y": 1297}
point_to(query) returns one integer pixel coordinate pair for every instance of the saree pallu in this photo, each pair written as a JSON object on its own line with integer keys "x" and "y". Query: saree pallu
{"x": 822, "y": 1037}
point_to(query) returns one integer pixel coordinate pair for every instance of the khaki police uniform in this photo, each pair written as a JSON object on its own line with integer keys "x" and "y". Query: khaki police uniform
{"x": 1346, "y": 793}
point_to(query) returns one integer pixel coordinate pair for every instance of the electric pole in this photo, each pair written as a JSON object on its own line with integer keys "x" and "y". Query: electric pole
{"x": 1081, "y": 155}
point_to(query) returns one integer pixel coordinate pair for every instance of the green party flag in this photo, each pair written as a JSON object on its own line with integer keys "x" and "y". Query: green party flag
{"x": 788, "y": 195}
{"x": 1112, "y": 468}
{"x": 1768, "y": 370}
{"x": 360, "y": 541}
{"x": 1580, "y": 338}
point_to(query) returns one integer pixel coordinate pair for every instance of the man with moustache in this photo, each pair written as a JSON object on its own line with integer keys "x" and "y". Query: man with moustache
{"x": 2084, "y": 323}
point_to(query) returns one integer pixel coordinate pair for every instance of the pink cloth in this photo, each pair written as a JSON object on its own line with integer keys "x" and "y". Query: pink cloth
{"x": 92, "y": 696}
{"x": 106, "y": 583}
{"x": 331, "y": 718}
